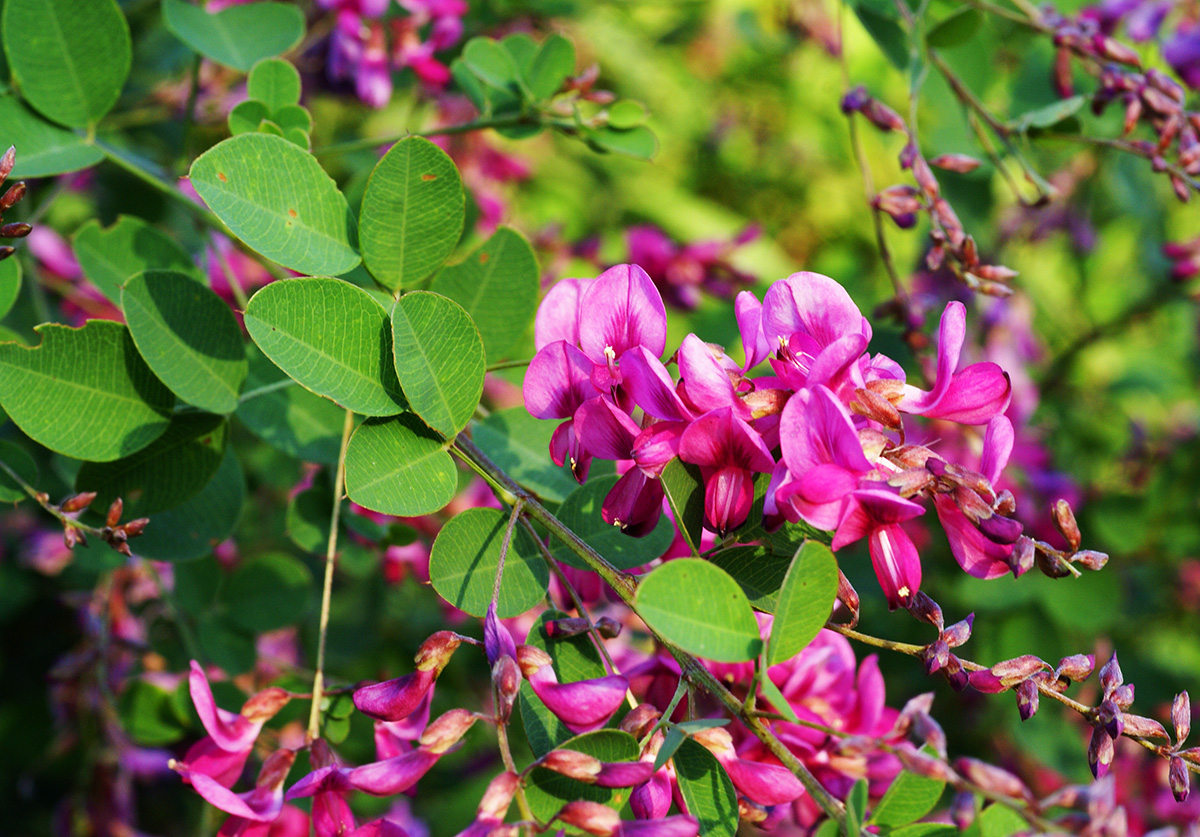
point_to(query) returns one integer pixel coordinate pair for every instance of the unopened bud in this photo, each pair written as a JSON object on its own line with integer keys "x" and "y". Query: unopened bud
{"x": 1114, "y": 50}
{"x": 1110, "y": 675}
{"x": 959, "y": 632}
{"x": 955, "y": 674}
{"x": 876, "y": 408}
{"x": 17, "y": 229}
{"x": 1001, "y": 530}
{"x": 848, "y": 596}
{"x": 1022, "y": 557}
{"x": 135, "y": 527}
{"x": 927, "y": 610}
{"x": 716, "y": 740}
{"x": 1076, "y": 668}
{"x": 1027, "y": 699}
{"x": 7, "y": 162}
{"x": 1110, "y": 715}
{"x": 566, "y": 627}
{"x": 498, "y": 796}
{"x": 592, "y": 817}
{"x": 994, "y": 272}
{"x": 935, "y": 655}
{"x": 898, "y": 201}
{"x": 925, "y": 730}
{"x": 447, "y": 730}
{"x": 275, "y": 769}
{"x": 1162, "y": 81}
{"x": 77, "y": 502}
{"x": 962, "y": 810}
{"x": 1052, "y": 564}
{"x": 1018, "y": 669}
{"x": 1133, "y": 112}
{"x": 1100, "y": 752}
{"x": 14, "y": 193}
{"x": 114, "y": 512}
{"x": 436, "y": 651}
{"x": 950, "y": 223}
{"x": 506, "y": 674}
{"x": 1159, "y": 101}
{"x": 1181, "y": 717}
{"x": 6, "y": 251}
{"x": 926, "y": 765}
{"x": 855, "y": 100}
{"x": 1177, "y": 777}
{"x": 72, "y": 536}
{"x": 1182, "y": 191}
{"x": 992, "y": 778}
{"x": 1064, "y": 522}
{"x": 960, "y": 163}
{"x": 264, "y": 705}
{"x": 881, "y": 116}
{"x": 572, "y": 764}
{"x": 1090, "y": 559}
{"x": 640, "y": 719}
{"x": 1143, "y": 727}
{"x": 1122, "y": 696}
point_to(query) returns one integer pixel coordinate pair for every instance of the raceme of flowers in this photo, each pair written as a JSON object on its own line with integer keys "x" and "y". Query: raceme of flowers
{"x": 825, "y": 423}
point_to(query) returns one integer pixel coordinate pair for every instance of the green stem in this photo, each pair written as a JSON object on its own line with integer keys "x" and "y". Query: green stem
{"x": 265, "y": 389}
{"x": 367, "y": 143}
{"x": 625, "y": 586}
{"x": 339, "y": 481}
{"x": 160, "y": 185}
{"x": 509, "y": 364}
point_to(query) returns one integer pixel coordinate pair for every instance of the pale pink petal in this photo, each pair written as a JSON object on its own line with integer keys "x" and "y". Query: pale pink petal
{"x": 558, "y": 315}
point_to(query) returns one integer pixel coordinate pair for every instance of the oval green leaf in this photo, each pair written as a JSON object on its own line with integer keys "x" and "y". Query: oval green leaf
{"x": 805, "y": 601}
{"x": 519, "y": 444}
{"x": 10, "y": 284}
{"x": 332, "y": 337}
{"x": 412, "y": 213}
{"x": 706, "y": 789}
{"x": 287, "y": 416}
{"x": 70, "y": 59}
{"x": 84, "y": 392}
{"x": 555, "y": 60}
{"x": 165, "y": 473}
{"x": 266, "y": 593}
{"x": 757, "y": 570}
{"x": 237, "y": 36}
{"x": 194, "y": 528}
{"x": 698, "y": 607}
{"x": 399, "y": 466}
{"x": 684, "y": 487}
{"x": 109, "y": 256}
{"x": 276, "y": 197}
{"x": 908, "y": 798}
{"x": 439, "y": 360}
{"x": 464, "y": 558}
{"x": 275, "y": 83}
{"x": 188, "y": 336}
{"x": 580, "y": 513}
{"x": 956, "y": 28}
{"x": 498, "y": 286}
{"x": 247, "y": 116}
{"x": 42, "y": 148}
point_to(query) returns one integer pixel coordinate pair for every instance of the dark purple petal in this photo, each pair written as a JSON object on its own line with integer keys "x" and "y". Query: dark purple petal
{"x": 652, "y": 800}
{"x": 624, "y": 774}
{"x": 634, "y": 503}
{"x": 497, "y": 641}
{"x": 976, "y": 554}
{"x": 605, "y": 430}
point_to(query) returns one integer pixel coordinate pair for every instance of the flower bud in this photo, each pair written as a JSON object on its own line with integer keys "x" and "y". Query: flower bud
{"x": 446, "y": 731}
{"x": 6, "y": 251}
{"x": 12, "y": 195}
{"x": 855, "y": 100}
{"x": 135, "y": 527}
{"x": 1181, "y": 717}
{"x": 592, "y": 817}
{"x": 77, "y": 502}
{"x": 877, "y": 408}
{"x": 926, "y": 765}
{"x": 1076, "y": 668}
{"x": 639, "y": 720}
{"x": 1001, "y": 530}
{"x": 17, "y": 229}
{"x": 994, "y": 272}
{"x": 1114, "y": 50}
{"x": 927, "y": 610}
{"x": 1110, "y": 675}
{"x": 624, "y": 774}
{"x": 566, "y": 627}
{"x": 498, "y": 796}
{"x": 507, "y": 677}
{"x": 1143, "y": 727}
{"x": 1021, "y": 559}
{"x": 275, "y": 769}
{"x": 532, "y": 659}
{"x": 959, "y": 163}
{"x": 1100, "y": 752}
{"x": 881, "y": 116}
{"x": 959, "y": 632}
{"x": 1090, "y": 559}
{"x": 962, "y": 810}
{"x": 848, "y": 596}
{"x": 935, "y": 655}
{"x": 114, "y": 512}
{"x": 1177, "y": 777}
{"x": 436, "y": 651}
{"x": 1027, "y": 699}
{"x": 1051, "y": 564}
{"x": 1064, "y": 522}
{"x": 1110, "y": 715}
{"x": 1018, "y": 669}
{"x": 497, "y": 640}
{"x": 955, "y": 674}
{"x": 7, "y": 162}
{"x": 572, "y": 764}
{"x": 992, "y": 778}
{"x": 925, "y": 730}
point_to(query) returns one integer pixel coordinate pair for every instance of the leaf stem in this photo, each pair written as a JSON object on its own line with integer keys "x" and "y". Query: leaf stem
{"x": 509, "y": 364}
{"x": 43, "y": 500}
{"x": 367, "y": 143}
{"x": 339, "y": 481}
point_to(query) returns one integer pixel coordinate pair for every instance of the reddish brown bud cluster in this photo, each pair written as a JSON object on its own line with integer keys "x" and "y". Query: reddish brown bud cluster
{"x": 10, "y": 197}
{"x": 114, "y": 534}
{"x": 1057, "y": 563}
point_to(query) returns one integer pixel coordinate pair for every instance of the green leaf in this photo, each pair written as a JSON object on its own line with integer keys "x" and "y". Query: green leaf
{"x": 775, "y": 697}
{"x": 701, "y": 724}
{"x": 956, "y": 28}
{"x": 188, "y": 336}
{"x": 671, "y": 743}
{"x": 828, "y": 828}
{"x": 464, "y": 558}
{"x": 292, "y": 118}
{"x": 276, "y": 197}
{"x": 523, "y": 49}
{"x": 84, "y": 392}
{"x": 165, "y": 473}
{"x": 287, "y": 416}
{"x": 225, "y": 644}
{"x": 196, "y": 527}
{"x": 856, "y": 808}
{"x": 275, "y": 83}
{"x": 21, "y": 462}
{"x": 805, "y": 601}
{"x": 891, "y": 39}
{"x": 707, "y": 790}
{"x": 909, "y": 798}
{"x": 238, "y": 36}
{"x": 548, "y": 791}
{"x": 491, "y": 62}
{"x": 697, "y": 606}
{"x": 412, "y": 213}
{"x": 42, "y": 147}
{"x": 684, "y": 488}
{"x": 109, "y": 256}
{"x": 626, "y": 114}
{"x": 580, "y": 513}
{"x": 519, "y": 444}
{"x": 1045, "y": 117}
{"x": 758, "y": 571}
{"x": 498, "y": 286}
{"x": 69, "y": 58}
{"x": 925, "y": 829}
{"x": 10, "y": 284}
{"x": 554, "y": 62}
{"x": 268, "y": 592}
{"x": 998, "y": 820}
{"x": 439, "y": 360}
{"x": 152, "y": 716}
{"x": 332, "y": 337}
{"x": 247, "y": 116}
{"x": 399, "y": 466}
{"x": 638, "y": 142}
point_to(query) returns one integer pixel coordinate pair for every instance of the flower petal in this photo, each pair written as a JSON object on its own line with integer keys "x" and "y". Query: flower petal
{"x": 623, "y": 309}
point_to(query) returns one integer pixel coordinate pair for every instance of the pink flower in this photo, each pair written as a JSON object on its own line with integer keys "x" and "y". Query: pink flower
{"x": 876, "y": 514}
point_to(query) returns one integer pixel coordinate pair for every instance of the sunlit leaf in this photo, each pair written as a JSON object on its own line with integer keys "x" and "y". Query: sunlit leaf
{"x": 399, "y": 466}
{"x": 697, "y": 606}
{"x": 237, "y": 36}
{"x": 110, "y": 255}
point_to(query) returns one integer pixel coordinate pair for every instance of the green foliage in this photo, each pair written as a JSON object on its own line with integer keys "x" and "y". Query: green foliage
{"x": 16, "y": 458}
{"x": 331, "y": 337}
{"x": 45, "y": 147}
{"x": 466, "y": 554}
{"x": 758, "y": 571}
{"x": 276, "y": 197}
{"x": 398, "y": 466}
{"x": 268, "y": 592}
{"x": 286, "y": 416}
{"x": 805, "y": 601}
{"x": 151, "y": 715}
{"x": 707, "y": 790}
{"x": 498, "y": 286}
{"x": 274, "y": 104}
{"x": 275, "y": 83}
{"x": 956, "y": 28}
{"x": 109, "y": 256}
{"x": 439, "y": 360}
{"x": 194, "y": 527}
{"x": 188, "y": 336}
{"x": 908, "y": 798}
{"x": 237, "y": 36}
{"x": 71, "y": 59}
{"x": 547, "y": 791}
{"x": 519, "y": 444}
{"x": 10, "y": 284}
{"x": 697, "y": 606}
{"x": 412, "y": 213}
{"x": 580, "y": 512}
{"x": 84, "y": 392}
{"x": 684, "y": 488}
{"x": 856, "y": 808}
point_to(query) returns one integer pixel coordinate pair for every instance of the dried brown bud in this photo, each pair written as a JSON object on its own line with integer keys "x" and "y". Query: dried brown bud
{"x": 608, "y": 627}
{"x": 114, "y": 512}
{"x": 1064, "y": 522}
{"x": 135, "y": 527}
{"x": 1090, "y": 559}
{"x": 6, "y": 251}
{"x": 77, "y": 502}
{"x": 446, "y": 731}
{"x": 17, "y": 229}
{"x": 875, "y": 408}
{"x": 1052, "y": 564}
{"x": 1177, "y": 777}
{"x": 566, "y": 627}
{"x": 14, "y": 193}
{"x": 1077, "y": 667}
{"x": 960, "y": 163}
{"x": 848, "y": 596}
{"x": 7, "y": 162}
{"x": 926, "y": 609}
{"x": 572, "y": 764}
{"x": 1143, "y": 727}
{"x": 1181, "y": 717}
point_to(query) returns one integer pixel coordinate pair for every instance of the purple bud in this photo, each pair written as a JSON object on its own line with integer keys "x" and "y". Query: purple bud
{"x": 1181, "y": 717}
{"x": 955, "y": 674}
{"x": 1020, "y": 561}
{"x": 1100, "y": 752}
{"x": 497, "y": 641}
{"x": 1027, "y": 699}
{"x": 959, "y": 163}
{"x": 959, "y": 632}
{"x": 1122, "y": 696}
{"x": 394, "y": 700}
{"x": 925, "y": 730}
{"x": 1111, "y": 717}
{"x": 1076, "y": 668}
{"x": 1090, "y": 559}
{"x": 1143, "y": 727}
{"x": 992, "y": 778}
{"x": 624, "y": 774}
{"x": 498, "y": 796}
{"x": 855, "y": 100}
{"x": 925, "y": 765}
{"x": 1018, "y": 669}
{"x": 962, "y": 810}
{"x": 987, "y": 682}
{"x": 652, "y": 800}
{"x": 926, "y": 609}
{"x": 935, "y": 655}
{"x": 680, "y": 825}
{"x": 1177, "y": 777}
{"x": 1001, "y": 530}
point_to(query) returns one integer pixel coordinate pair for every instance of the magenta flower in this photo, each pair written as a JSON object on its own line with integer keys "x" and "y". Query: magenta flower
{"x": 973, "y": 395}
{"x": 876, "y": 514}
{"x": 582, "y": 706}
{"x": 761, "y": 782}
{"x": 635, "y": 502}
{"x": 748, "y": 312}
{"x": 261, "y": 805}
{"x": 394, "y": 700}
{"x": 728, "y": 451}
